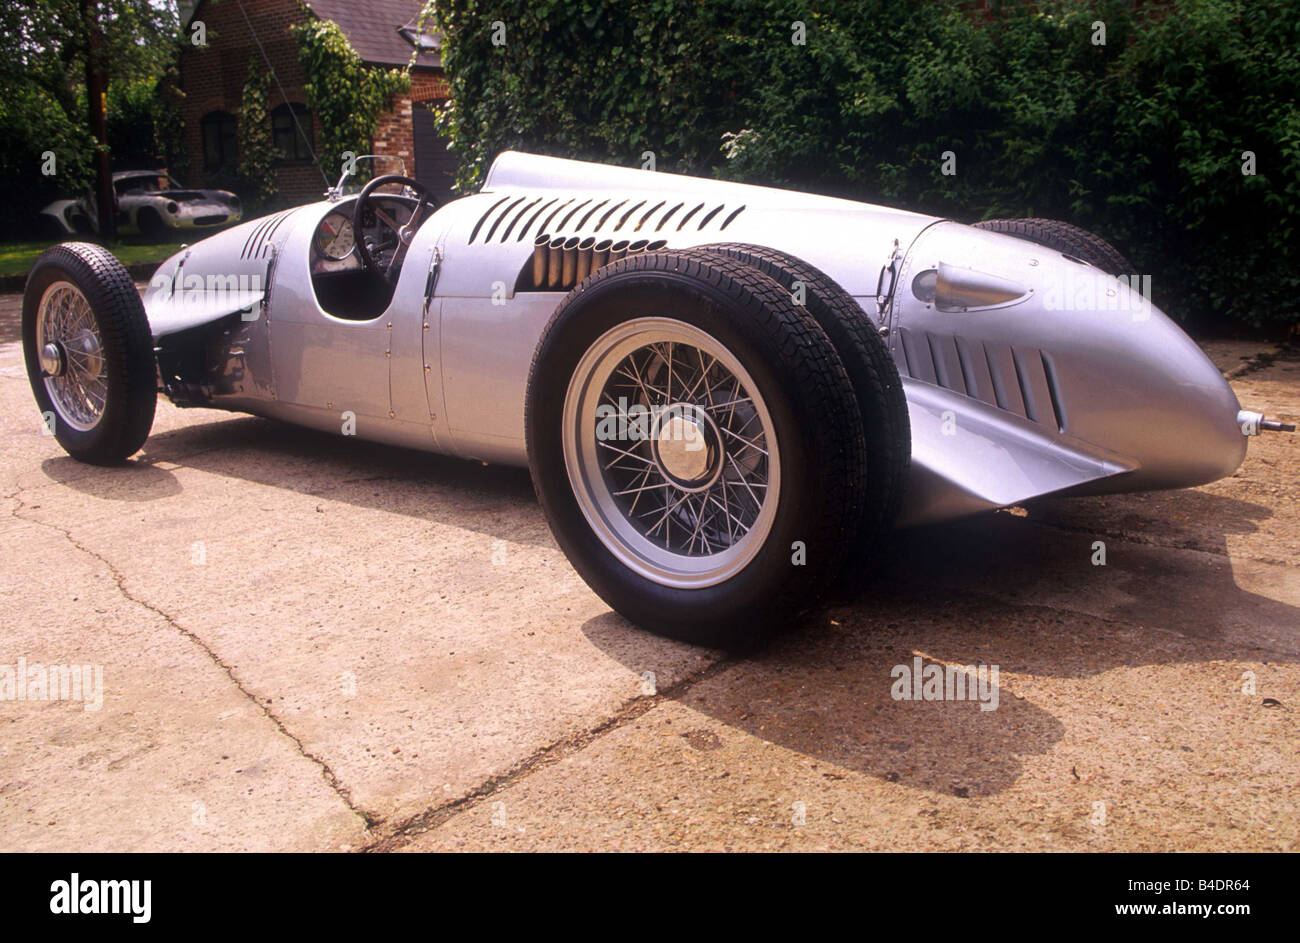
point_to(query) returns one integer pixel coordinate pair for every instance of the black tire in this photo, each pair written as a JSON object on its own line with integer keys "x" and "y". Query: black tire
{"x": 1066, "y": 238}
{"x": 814, "y": 415}
{"x": 127, "y": 349}
{"x": 882, "y": 404}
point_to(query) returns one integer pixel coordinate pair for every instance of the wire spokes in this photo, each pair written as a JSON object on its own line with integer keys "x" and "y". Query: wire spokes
{"x": 79, "y": 391}
{"x": 713, "y": 509}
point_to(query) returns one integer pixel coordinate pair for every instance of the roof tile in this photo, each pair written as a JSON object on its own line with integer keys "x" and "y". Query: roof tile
{"x": 371, "y": 26}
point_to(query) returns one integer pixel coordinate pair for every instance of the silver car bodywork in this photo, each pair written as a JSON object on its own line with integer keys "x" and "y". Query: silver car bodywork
{"x": 1066, "y": 380}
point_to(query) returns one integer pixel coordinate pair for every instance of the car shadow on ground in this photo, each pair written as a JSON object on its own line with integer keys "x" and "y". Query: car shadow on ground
{"x": 423, "y": 485}
{"x": 989, "y": 590}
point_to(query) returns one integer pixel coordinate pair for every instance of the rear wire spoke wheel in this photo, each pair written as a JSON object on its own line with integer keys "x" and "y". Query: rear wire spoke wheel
{"x": 670, "y": 452}
{"x": 695, "y": 443}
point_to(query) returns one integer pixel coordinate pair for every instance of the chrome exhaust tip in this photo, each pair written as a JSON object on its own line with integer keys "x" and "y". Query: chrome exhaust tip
{"x": 584, "y": 258}
{"x": 569, "y": 262}
{"x": 540, "y": 256}
{"x": 600, "y": 254}
{"x": 554, "y": 253}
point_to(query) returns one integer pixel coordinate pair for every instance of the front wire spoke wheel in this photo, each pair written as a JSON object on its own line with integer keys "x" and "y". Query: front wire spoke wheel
{"x": 72, "y": 356}
{"x": 671, "y": 452}
{"x": 89, "y": 353}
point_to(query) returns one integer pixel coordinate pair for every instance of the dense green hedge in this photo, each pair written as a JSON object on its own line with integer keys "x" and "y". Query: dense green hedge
{"x": 1140, "y": 139}
{"x": 32, "y": 124}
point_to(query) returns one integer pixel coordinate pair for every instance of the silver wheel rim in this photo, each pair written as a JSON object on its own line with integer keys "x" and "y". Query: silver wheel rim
{"x": 671, "y": 452}
{"x": 72, "y": 356}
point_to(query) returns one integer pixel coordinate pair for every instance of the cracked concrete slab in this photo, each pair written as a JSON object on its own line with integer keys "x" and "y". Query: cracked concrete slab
{"x": 176, "y": 757}
{"x": 373, "y": 601}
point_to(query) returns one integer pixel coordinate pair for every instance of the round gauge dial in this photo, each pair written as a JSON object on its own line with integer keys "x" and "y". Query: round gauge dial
{"x": 335, "y": 239}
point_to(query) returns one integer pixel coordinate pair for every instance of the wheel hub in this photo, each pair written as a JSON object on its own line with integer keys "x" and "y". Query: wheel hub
{"x": 687, "y": 447}
{"x": 53, "y": 360}
{"x": 85, "y": 345}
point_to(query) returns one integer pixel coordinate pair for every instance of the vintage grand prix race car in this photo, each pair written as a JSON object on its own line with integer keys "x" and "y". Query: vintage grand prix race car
{"x": 725, "y": 394}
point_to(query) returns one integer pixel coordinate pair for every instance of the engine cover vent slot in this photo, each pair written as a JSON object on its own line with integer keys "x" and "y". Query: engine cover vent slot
{"x": 520, "y": 215}
{"x": 258, "y": 242}
{"x": 667, "y": 216}
{"x": 473, "y": 234}
{"x": 504, "y": 213}
{"x": 532, "y": 219}
{"x": 516, "y": 217}
{"x": 710, "y": 214}
{"x": 622, "y": 221}
{"x": 648, "y": 213}
{"x": 687, "y": 218}
{"x": 1018, "y": 380}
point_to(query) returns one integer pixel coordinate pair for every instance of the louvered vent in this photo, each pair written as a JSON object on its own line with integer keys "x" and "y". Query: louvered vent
{"x": 522, "y": 218}
{"x": 1019, "y": 380}
{"x": 258, "y": 243}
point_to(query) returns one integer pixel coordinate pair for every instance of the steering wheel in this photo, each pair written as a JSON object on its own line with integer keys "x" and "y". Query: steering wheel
{"x": 425, "y": 204}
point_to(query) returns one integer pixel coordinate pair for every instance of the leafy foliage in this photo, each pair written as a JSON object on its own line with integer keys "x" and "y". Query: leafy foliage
{"x": 32, "y": 125}
{"x": 1140, "y": 139}
{"x": 347, "y": 95}
{"x": 257, "y": 153}
{"x": 43, "y": 43}
{"x": 43, "y": 47}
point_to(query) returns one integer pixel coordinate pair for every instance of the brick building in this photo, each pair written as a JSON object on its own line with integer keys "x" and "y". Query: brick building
{"x": 382, "y": 32}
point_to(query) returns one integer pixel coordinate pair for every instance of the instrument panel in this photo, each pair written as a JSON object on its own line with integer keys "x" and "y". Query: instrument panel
{"x": 335, "y": 240}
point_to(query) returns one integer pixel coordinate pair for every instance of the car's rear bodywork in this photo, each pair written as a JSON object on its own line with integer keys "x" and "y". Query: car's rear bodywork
{"x": 1051, "y": 376}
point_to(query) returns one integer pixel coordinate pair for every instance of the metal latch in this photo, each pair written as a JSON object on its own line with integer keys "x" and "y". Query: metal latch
{"x": 265, "y": 306}
{"x": 885, "y": 296}
{"x": 430, "y": 283}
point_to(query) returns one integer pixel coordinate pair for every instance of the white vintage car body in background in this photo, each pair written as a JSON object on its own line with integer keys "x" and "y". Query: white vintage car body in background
{"x": 1026, "y": 371}
{"x": 149, "y": 202}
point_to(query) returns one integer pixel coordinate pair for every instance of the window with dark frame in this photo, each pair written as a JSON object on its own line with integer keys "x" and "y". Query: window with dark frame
{"x": 291, "y": 143}
{"x": 220, "y": 140}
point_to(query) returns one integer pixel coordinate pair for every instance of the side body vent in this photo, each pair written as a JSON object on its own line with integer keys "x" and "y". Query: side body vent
{"x": 258, "y": 243}
{"x": 1019, "y": 380}
{"x": 522, "y": 217}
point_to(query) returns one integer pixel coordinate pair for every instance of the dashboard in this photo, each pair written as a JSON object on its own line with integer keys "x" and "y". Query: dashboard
{"x": 335, "y": 240}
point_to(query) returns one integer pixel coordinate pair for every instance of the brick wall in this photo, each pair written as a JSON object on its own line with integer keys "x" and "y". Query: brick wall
{"x": 213, "y": 77}
{"x": 393, "y": 132}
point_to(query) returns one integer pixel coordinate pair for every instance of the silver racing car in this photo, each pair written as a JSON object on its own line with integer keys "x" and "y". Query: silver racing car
{"x": 725, "y": 394}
